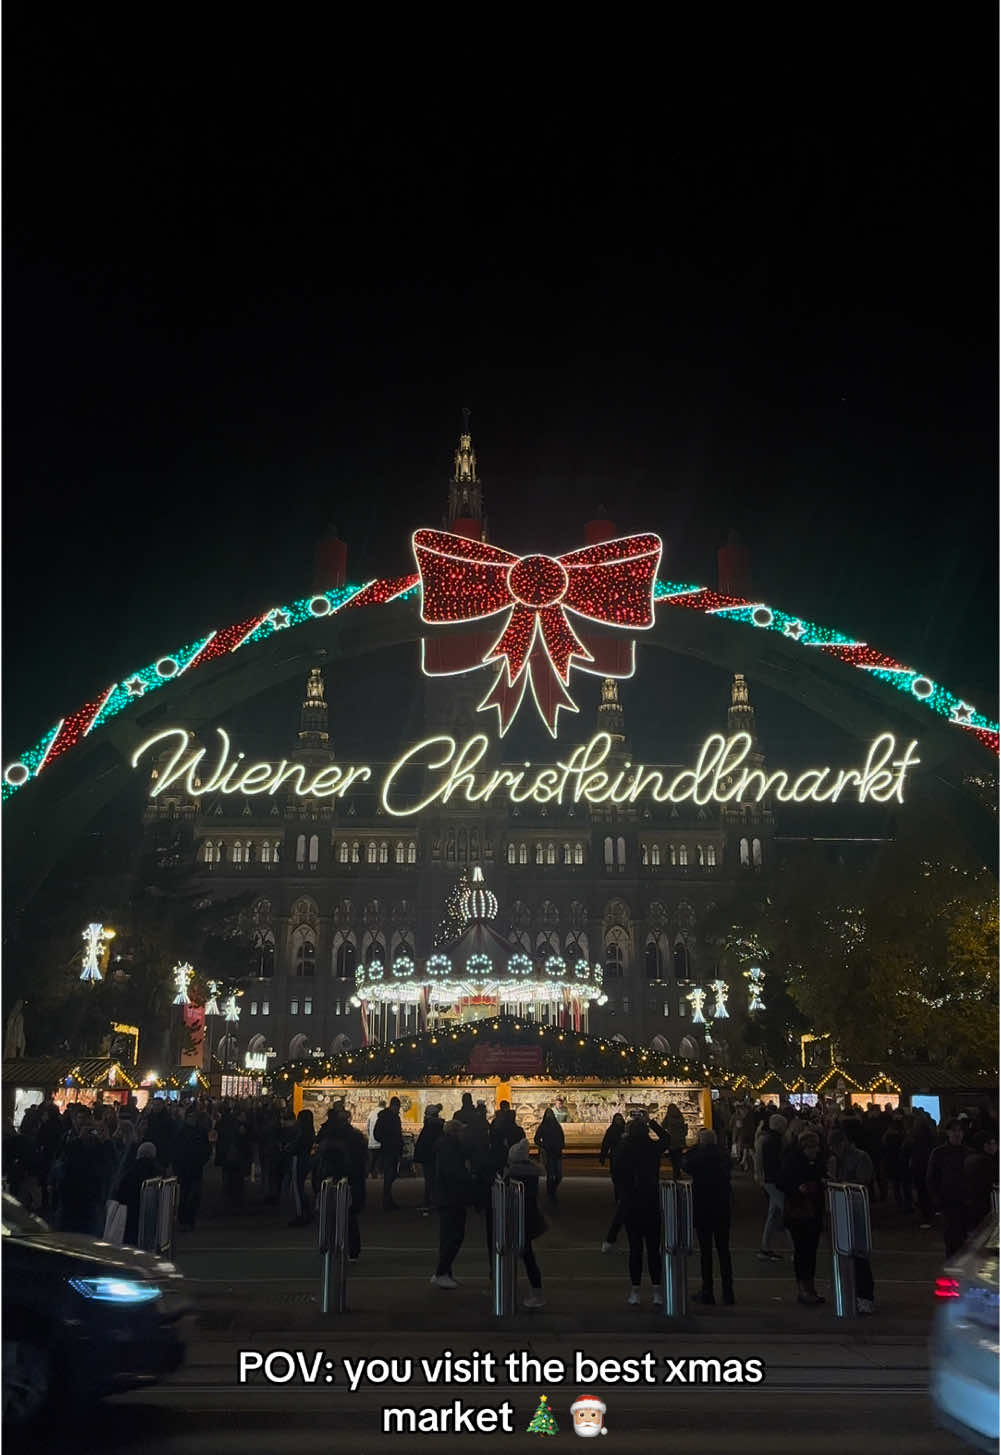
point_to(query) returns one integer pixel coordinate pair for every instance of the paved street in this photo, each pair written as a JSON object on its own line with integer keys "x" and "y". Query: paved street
{"x": 255, "y": 1282}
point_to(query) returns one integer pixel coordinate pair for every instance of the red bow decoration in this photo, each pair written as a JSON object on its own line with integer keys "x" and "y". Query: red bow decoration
{"x": 466, "y": 580}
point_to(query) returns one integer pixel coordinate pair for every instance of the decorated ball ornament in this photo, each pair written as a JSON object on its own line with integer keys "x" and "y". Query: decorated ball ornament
{"x": 478, "y": 902}
{"x": 538, "y": 581}
{"x": 588, "y": 1412}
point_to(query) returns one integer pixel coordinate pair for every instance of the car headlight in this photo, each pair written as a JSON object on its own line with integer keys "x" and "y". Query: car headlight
{"x": 115, "y": 1290}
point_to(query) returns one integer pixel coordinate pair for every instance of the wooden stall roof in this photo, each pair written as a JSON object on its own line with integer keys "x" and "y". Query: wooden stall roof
{"x": 50, "y": 1072}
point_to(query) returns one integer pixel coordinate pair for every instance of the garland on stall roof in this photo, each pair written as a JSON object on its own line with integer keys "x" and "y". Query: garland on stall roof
{"x": 112, "y": 700}
{"x": 566, "y": 1056}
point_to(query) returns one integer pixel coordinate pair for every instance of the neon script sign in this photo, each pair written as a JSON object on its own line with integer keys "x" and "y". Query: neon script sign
{"x": 588, "y": 774}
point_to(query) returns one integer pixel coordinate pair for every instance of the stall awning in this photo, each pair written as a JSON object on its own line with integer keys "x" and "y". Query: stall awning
{"x": 49, "y": 1073}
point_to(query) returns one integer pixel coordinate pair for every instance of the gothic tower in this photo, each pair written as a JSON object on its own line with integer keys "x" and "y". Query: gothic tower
{"x": 465, "y": 493}
{"x": 314, "y": 728}
{"x": 611, "y": 718}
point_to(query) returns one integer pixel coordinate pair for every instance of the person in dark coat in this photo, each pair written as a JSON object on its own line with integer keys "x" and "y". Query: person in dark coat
{"x": 191, "y": 1152}
{"x": 467, "y": 1113}
{"x": 677, "y": 1132}
{"x": 455, "y": 1189}
{"x": 427, "y": 1141}
{"x": 300, "y": 1151}
{"x": 81, "y": 1185}
{"x": 709, "y": 1168}
{"x": 897, "y": 1162}
{"x": 142, "y": 1169}
{"x": 770, "y": 1154}
{"x": 922, "y": 1142}
{"x": 524, "y": 1170}
{"x": 549, "y": 1136}
{"x": 980, "y": 1173}
{"x": 343, "y": 1152}
{"x": 637, "y": 1169}
{"x": 389, "y": 1134}
{"x": 610, "y": 1144}
{"x": 850, "y": 1162}
{"x": 946, "y": 1179}
{"x": 801, "y": 1178}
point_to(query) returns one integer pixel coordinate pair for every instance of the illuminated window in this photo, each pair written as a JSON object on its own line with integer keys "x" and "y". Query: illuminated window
{"x": 566, "y": 854}
{"x": 745, "y": 852}
{"x": 620, "y": 851}
{"x": 522, "y": 853}
{"x": 238, "y": 852}
{"x": 512, "y": 853}
{"x": 539, "y": 853}
{"x": 208, "y": 852}
{"x": 412, "y": 852}
{"x": 699, "y": 856}
{"x": 550, "y": 853}
{"x": 609, "y": 853}
{"x": 314, "y": 848}
{"x": 307, "y": 1006}
{"x": 275, "y": 852}
{"x": 356, "y": 853}
{"x": 293, "y": 1007}
{"x": 655, "y": 855}
{"x": 756, "y": 853}
{"x": 265, "y": 852}
{"x": 300, "y": 851}
{"x": 578, "y": 853}
{"x": 625, "y": 1004}
{"x": 711, "y": 856}
{"x": 384, "y": 853}
{"x": 343, "y": 851}
{"x": 399, "y": 852}
{"x": 672, "y": 855}
{"x": 683, "y": 856}
{"x": 644, "y": 854}
{"x": 371, "y": 852}
{"x": 265, "y": 1007}
{"x": 253, "y": 1007}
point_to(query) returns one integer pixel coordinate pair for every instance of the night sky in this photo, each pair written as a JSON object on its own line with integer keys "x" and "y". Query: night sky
{"x": 234, "y": 318}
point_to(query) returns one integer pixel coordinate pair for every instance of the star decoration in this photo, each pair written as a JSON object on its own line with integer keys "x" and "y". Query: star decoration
{"x": 278, "y": 618}
{"x": 794, "y": 629}
{"x": 135, "y": 687}
{"x": 962, "y": 712}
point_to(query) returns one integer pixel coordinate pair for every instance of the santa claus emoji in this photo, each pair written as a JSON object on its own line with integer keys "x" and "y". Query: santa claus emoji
{"x": 588, "y": 1416}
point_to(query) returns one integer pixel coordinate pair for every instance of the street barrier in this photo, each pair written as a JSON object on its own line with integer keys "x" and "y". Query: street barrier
{"x": 158, "y": 1199}
{"x": 851, "y": 1238}
{"x": 676, "y": 1244}
{"x": 994, "y": 1200}
{"x": 507, "y": 1206}
{"x": 335, "y": 1202}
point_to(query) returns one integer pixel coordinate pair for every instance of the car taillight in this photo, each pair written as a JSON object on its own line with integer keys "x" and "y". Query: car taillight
{"x": 947, "y": 1288}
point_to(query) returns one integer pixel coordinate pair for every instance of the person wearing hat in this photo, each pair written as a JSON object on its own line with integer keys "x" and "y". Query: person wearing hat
{"x": 588, "y": 1414}
{"x": 801, "y": 1178}
{"x": 771, "y": 1161}
{"x": 522, "y": 1169}
{"x": 142, "y": 1169}
{"x": 424, "y": 1151}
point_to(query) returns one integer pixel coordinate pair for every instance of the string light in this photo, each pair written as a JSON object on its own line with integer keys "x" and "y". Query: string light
{"x": 696, "y": 999}
{"x": 756, "y": 978}
{"x": 721, "y": 990}
{"x": 95, "y": 937}
{"x": 182, "y": 979}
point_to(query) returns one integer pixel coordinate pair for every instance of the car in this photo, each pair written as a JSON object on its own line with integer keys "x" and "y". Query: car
{"x": 82, "y": 1317}
{"x": 964, "y": 1383}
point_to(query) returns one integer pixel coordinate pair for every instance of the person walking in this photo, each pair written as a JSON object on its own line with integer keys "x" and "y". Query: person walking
{"x": 801, "y": 1178}
{"x": 947, "y": 1186}
{"x": 897, "y": 1162}
{"x": 300, "y": 1156}
{"x": 549, "y": 1136}
{"x": 922, "y": 1142}
{"x": 191, "y": 1152}
{"x": 677, "y": 1131}
{"x": 424, "y": 1149}
{"x": 708, "y": 1165}
{"x": 455, "y": 1190}
{"x": 610, "y": 1146}
{"x": 524, "y": 1170}
{"x": 374, "y": 1154}
{"x": 770, "y": 1155}
{"x": 637, "y": 1168}
{"x": 850, "y": 1162}
{"x": 389, "y": 1135}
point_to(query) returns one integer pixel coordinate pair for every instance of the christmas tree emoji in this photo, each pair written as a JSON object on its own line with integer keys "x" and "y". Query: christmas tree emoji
{"x": 543, "y": 1422}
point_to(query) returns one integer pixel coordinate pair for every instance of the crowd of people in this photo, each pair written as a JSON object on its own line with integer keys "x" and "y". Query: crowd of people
{"x": 78, "y": 1164}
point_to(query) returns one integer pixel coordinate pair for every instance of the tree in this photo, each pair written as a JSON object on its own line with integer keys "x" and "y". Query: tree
{"x": 453, "y": 922}
{"x": 543, "y": 1422}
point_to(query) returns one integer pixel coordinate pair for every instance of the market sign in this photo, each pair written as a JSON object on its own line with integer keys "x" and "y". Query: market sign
{"x": 722, "y": 773}
{"x": 488, "y": 1060}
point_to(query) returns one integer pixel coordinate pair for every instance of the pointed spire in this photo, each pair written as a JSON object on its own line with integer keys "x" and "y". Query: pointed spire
{"x": 465, "y": 493}
{"x": 313, "y": 723}
{"x": 611, "y": 718}
{"x": 740, "y": 717}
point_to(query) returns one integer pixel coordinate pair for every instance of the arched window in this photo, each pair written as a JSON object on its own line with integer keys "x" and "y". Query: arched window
{"x": 300, "y": 851}
{"x": 264, "y": 953}
{"x": 578, "y": 853}
{"x": 384, "y": 853}
{"x": 547, "y": 942}
{"x": 522, "y": 853}
{"x": 208, "y": 852}
{"x": 654, "y": 968}
{"x": 450, "y": 849}
{"x": 266, "y": 852}
{"x": 550, "y": 853}
{"x": 680, "y": 960}
{"x": 399, "y": 851}
{"x": 644, "y": 854}
{"x": 345, "y": 957}
{"x": 298, "y": 1047}
{"x": 375, "y": 952}
{"x": 577, "y": 947}
{"x": 745, "y": 852}
{"x": 615, "y": 954}
{"x": 220, "y": 852}
{"x": 609, "y": 852}
{"x": 276, "y": 851}
{"x": 539, "y": 853}
{"x": 620, "y": 851}
{"x": 314, "y": 848}
{"x": 756, "y": 853}
{"x": 683, "y": 856}
{"x": 257, "y": 1043}
{"x": 711, "y": 856}
{"x": 566, "y": 854}
{"x": 512, "y": 853}
{"x": 655, "y": 855}
{"x": 412, "y": 851}
{"x": 238, "y": 852}
{"x": 343, "y": 851}
{"x": 371, "y": 852}
{"x": 356, "y": 853}
{"x": 672, "y": 855}
{"x": 304, "y": 962}
{"x": 700, "y": 858}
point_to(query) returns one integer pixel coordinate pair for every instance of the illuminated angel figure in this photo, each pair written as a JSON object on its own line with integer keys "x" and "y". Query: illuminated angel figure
{"x": 230, "y": 1009}
{"x": 721, "y": 990}
{"x": 182, "y": 978}
{"x": 94, "y": 937}
{"x": 212, "y": 1004}
{"x": 756, "y": 977}
{"x": 697, "y": 999}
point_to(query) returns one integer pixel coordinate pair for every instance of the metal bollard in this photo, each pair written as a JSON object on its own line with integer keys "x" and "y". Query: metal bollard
{"x": 851, "y": 1238}
{"x": 149, "y": 1214}
{"x": 507, "y": 1206}
{"x": 676, "y": 1244}
{"x": 994, "y": 1199}
{"x": 170, "y": 1195}
{"x": 335, "y": 1202}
